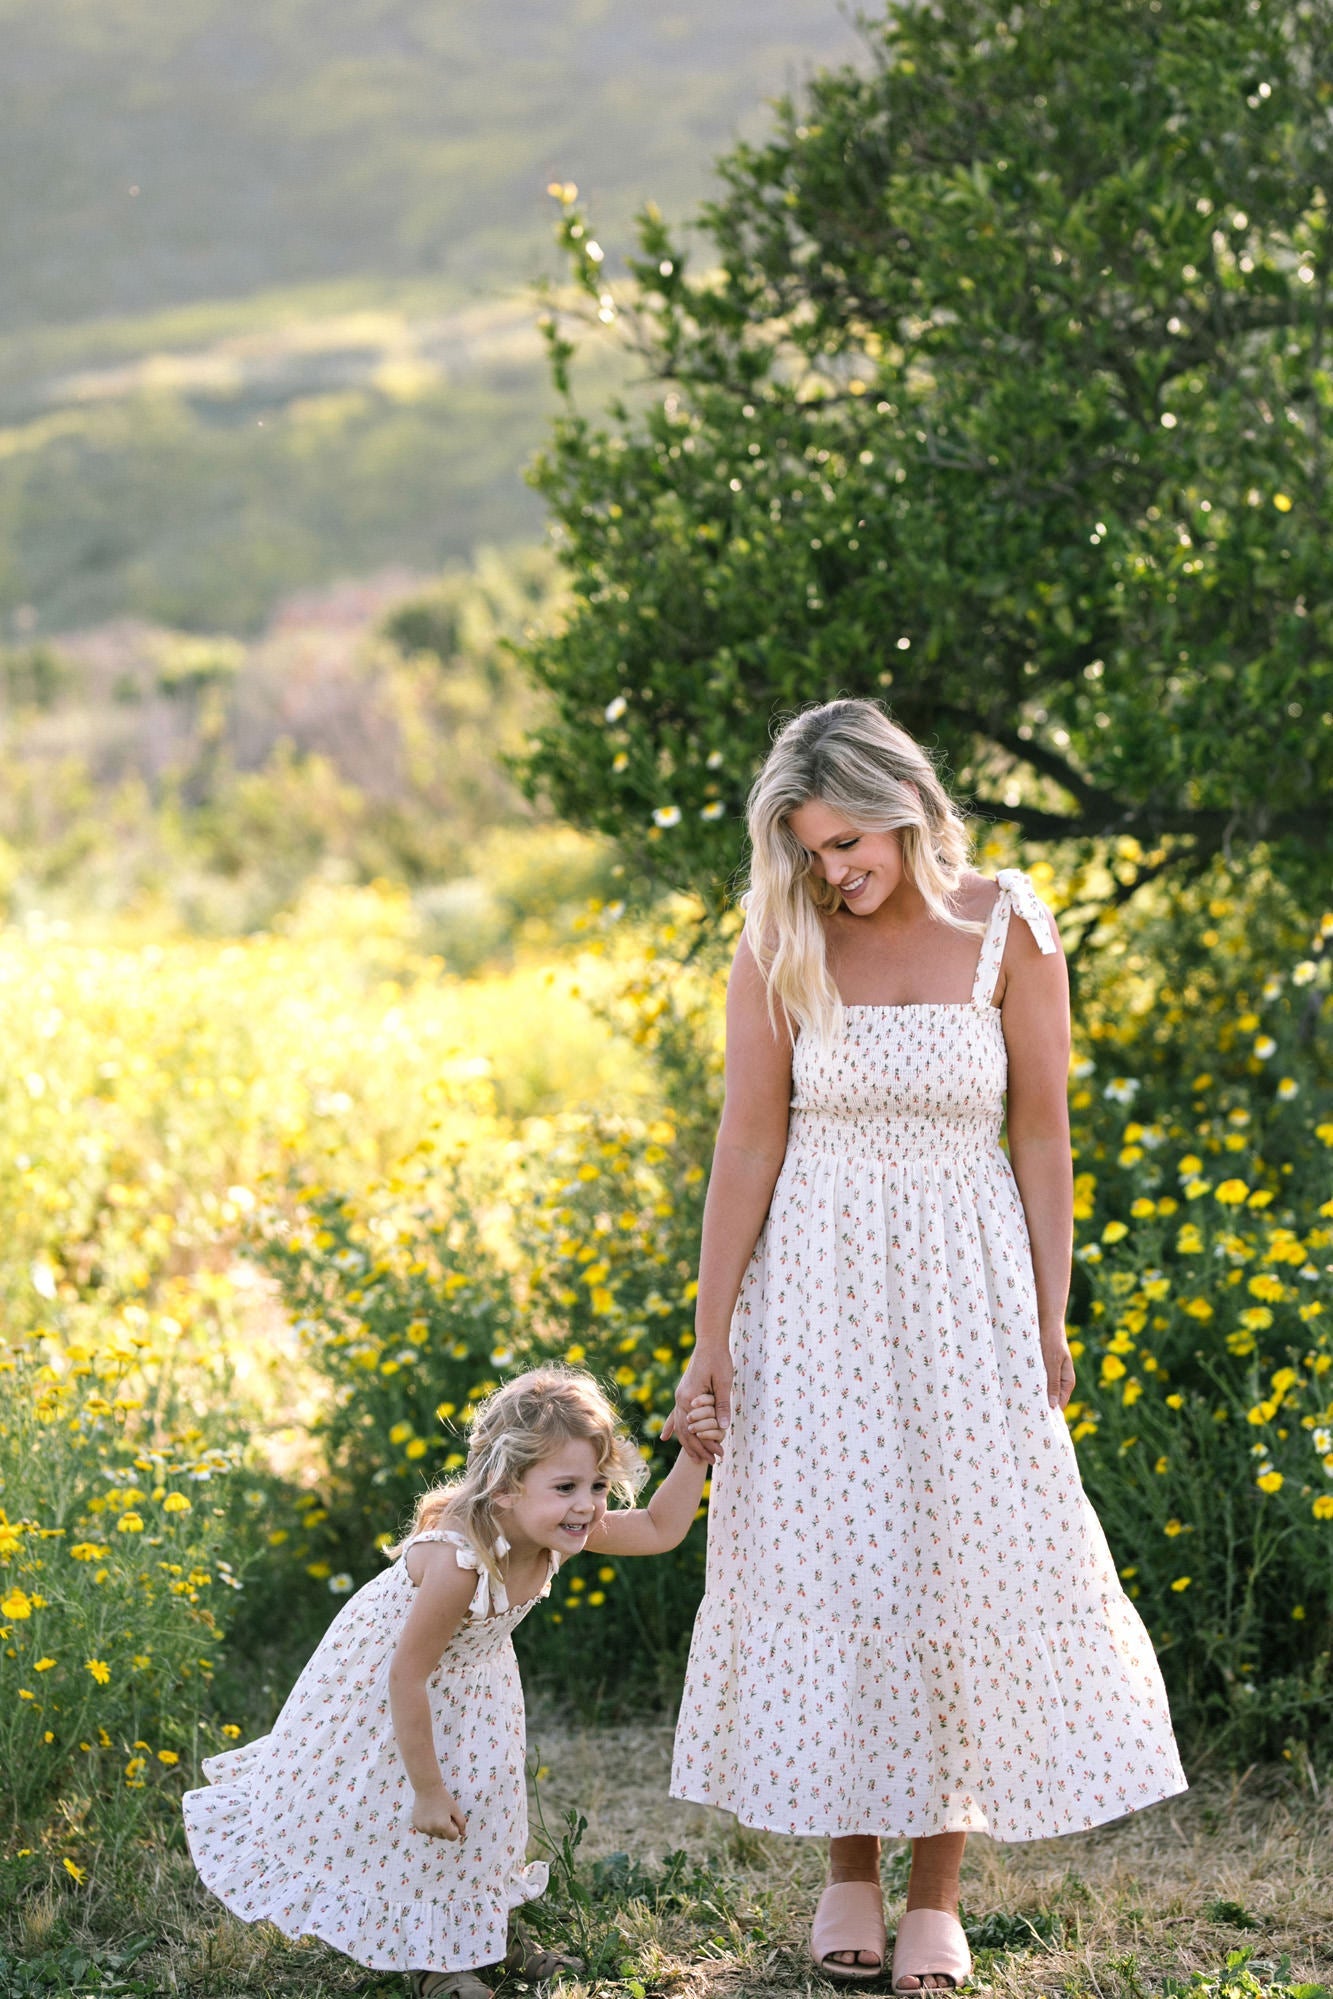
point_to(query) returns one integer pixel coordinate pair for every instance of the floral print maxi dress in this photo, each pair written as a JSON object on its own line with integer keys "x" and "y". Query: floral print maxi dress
{"x": 912, "y": 1623}
{"x": 310, "y": 1827}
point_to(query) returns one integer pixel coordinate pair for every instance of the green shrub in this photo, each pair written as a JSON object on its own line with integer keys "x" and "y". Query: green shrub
{"x": 1204, "y": 1410}
{"x": 113, "y": 1582}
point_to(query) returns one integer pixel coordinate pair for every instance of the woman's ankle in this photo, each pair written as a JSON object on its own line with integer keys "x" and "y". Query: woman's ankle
{"x": 854, "y": 1857}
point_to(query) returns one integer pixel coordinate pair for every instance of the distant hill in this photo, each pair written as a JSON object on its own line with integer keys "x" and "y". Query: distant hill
{"x": 263, "y": 319}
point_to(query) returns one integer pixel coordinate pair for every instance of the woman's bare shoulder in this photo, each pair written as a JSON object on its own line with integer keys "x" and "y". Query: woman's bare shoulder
{"x": 975, "y": 896}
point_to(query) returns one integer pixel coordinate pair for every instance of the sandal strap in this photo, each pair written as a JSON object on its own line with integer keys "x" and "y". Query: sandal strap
{"x": 526, "y": 1959}
{"x": 930, "y": 1941}
{"x": 449, "y": 1985}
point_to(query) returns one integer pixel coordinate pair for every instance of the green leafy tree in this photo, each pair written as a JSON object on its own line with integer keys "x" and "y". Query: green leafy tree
{"x": 997, "y": 388}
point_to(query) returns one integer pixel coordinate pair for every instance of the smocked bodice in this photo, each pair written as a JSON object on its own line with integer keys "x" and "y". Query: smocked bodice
{"x": 917, "y": 1080}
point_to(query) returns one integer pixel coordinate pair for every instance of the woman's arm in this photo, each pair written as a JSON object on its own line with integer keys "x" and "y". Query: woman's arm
{"x": 444, "y": 1591}
{"x": 664, "y": 1522}
{"x": 1035, "y": 1014}
{"x": 751, "y": 1145}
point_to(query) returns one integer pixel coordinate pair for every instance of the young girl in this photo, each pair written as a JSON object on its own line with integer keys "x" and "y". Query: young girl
{"x": 386, "y": 1812}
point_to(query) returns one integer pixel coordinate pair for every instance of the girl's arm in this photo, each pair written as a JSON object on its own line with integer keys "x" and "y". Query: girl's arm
{"x": 665, "y": 1521}
{"x": 1035, "y": 1015}
{"x": 751, "y": 1145}
{"x": 444, "y": 1591}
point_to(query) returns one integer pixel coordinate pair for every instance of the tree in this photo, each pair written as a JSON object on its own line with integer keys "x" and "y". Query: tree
{"x": 998, "y": 388}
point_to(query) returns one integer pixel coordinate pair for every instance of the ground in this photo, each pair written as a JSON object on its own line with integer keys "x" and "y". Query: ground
{"x": 1131, "y": 1909}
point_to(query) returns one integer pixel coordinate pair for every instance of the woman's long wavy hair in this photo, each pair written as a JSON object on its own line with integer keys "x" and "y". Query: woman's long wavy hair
{"x": 517, "y": 1427}
{"x": 852, "y": 757}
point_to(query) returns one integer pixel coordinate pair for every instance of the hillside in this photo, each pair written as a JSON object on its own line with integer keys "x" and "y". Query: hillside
{"x": 265, "y": 318}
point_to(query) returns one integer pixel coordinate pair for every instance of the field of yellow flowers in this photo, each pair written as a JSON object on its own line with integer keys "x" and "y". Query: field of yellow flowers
{"x": 282, "y": 1209}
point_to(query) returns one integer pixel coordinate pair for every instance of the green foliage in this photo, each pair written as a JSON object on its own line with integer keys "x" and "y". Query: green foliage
{"x": 416, "y": 1297}
{"x": 1204, "y": 1302}
{"x": 111, "y": 1576}
{"x": 999, "y": 392}
{"x": 1236, "y": 1981}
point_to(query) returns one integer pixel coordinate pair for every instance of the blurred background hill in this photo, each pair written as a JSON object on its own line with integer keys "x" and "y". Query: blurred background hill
{"x": 265, "y": 320}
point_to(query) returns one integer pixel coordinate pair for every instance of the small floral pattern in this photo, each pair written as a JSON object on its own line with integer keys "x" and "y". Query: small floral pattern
{"x": 310, "y": 1828}
{"x": 912, "y": 1621}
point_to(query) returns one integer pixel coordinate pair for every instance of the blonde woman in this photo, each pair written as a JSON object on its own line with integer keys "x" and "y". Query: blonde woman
{"x": 912, "y": 1624}
{"x": 386, "y": 1810}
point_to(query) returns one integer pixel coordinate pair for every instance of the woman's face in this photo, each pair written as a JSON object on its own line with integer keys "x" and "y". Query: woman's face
{"x": 865, "y": 868}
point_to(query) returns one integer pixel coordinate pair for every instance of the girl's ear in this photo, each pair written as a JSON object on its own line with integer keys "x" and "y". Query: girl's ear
{"x": 501, "y": 1501}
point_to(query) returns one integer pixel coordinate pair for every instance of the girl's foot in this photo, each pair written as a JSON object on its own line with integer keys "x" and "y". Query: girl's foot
{"x": 528, "y": 1959}
{"x": 447, "y": 1985}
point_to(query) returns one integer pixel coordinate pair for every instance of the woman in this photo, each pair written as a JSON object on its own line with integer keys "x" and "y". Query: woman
{"x": 912, "y": 1623}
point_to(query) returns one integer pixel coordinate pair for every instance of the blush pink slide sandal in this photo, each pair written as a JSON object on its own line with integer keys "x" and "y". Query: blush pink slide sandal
{"x": 850, "y": 1916}
{"x": 930, "y": 1941}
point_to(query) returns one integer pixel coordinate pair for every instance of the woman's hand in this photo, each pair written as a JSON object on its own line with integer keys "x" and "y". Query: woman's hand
{"x": 438, "y": 1814}
{"x": 1059, "y": 1367}
{"x": 708, "y": 1374}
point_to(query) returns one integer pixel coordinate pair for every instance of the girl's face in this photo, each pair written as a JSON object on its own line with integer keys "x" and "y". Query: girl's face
{"x": 557, "y": 1503}
{"x": 865, "y": 868}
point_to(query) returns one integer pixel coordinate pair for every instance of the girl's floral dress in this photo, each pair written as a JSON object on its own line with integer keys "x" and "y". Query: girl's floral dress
{"x": 912, "y": 1622}
{"x": 310, "y": 1827}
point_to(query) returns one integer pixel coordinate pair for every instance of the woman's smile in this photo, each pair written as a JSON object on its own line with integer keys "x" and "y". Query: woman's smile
{"x": 848, "y": 889}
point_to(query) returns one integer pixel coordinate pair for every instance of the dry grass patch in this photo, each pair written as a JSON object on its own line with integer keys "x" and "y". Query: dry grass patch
{"x": 1153, "y": 1899}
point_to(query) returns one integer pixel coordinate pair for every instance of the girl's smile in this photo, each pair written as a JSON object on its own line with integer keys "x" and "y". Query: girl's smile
{"x": 557, "y": 1503}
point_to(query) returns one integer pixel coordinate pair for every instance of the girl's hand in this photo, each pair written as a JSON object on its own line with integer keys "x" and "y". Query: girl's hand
{"x": 1059, "y": 1367}
{"x": 438, "y": 1815}
{"x": 709, "y": 1373}
{"x": 703, "y": 1423}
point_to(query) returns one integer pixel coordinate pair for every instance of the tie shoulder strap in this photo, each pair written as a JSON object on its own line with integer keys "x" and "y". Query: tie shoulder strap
{"x": 1015, "y": 892}
{"x": 487, "y": 1596}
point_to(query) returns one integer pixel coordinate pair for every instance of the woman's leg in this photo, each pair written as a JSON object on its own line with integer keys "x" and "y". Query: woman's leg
{"x": 934, "y": 1884}
{"x": 853, "y": 1858}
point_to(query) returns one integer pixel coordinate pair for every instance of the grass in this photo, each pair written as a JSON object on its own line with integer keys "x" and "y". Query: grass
{"x": 669, "y": 1899}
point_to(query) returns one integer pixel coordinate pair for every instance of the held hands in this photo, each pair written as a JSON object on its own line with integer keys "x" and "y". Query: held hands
{"x": 702, "y": 1415}
{"x": 702, "y": 1422}
{"x": 438, "y": 1815}
{"x": 1059, "y": 1367}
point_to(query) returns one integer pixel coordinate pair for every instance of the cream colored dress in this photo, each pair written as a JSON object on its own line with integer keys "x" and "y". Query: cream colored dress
{"x": 310, "y": 1827}
{"x": 912, "y": 1622}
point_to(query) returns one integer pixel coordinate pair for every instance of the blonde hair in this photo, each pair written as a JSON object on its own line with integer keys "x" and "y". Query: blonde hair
{"x": 517, "y": 1427}
{"x": 852, "y": 757}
